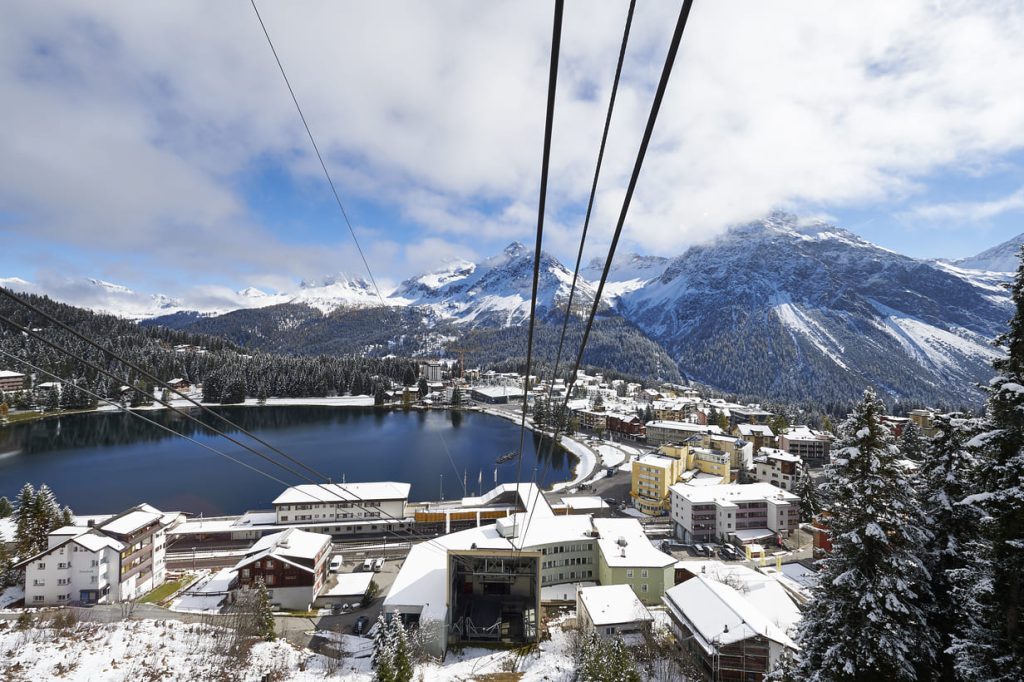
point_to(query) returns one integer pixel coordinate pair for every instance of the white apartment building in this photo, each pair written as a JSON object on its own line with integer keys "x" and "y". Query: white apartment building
{"x": 118, "y": 559}
{"x": 341, "y": 507}
{"x": 732, "y": 513}
{"x": 805, "y": 442}
{"x": 777, "y": 467}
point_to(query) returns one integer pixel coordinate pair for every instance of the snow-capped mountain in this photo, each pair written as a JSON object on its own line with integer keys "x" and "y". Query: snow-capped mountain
{"x": 809, "y": 310}
{"x": 1000, "y": 258}
{"x": 495, "y": 292}
{"x": 628, "y": 272}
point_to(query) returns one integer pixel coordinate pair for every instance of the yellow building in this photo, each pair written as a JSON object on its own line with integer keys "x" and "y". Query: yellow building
{"x": 652, "y": 477}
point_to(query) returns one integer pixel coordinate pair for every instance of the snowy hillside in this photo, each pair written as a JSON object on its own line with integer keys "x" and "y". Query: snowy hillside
{"x": 808, "y": 310}
{"x": 629, "y": 272}
{"x": 1000, "y": 258}
{"x": 497, "y": 291}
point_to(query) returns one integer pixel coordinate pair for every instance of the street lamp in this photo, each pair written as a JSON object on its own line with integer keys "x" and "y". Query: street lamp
{"x": 385, "y": 552}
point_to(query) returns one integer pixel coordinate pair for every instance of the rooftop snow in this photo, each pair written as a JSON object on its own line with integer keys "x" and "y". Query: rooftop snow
{"x": 613, "y": 604}
{"x": 131, "y": 522}
{"x": 350, "y": 585}
{"x": 747, "y": 492}
{"x": 348, "y": 492}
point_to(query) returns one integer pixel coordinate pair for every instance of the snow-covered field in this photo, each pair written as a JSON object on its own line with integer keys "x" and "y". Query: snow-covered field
{"x": 169, "y": 650}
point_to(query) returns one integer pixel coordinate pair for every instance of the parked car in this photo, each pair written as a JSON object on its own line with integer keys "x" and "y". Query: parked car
{"x": 378, "y": 565}
{"x": 367, "y": 564}
{"x": 360, "y": 625}
{"x": 611, "y": 501}
{"x": 699, "y": 549}
{"x": 336, "y": 563}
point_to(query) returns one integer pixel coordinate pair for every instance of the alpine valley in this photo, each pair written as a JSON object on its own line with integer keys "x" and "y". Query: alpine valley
{"x": 781, "y": 308}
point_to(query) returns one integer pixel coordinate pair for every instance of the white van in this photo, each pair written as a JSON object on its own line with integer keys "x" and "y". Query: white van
{"x": 336, "y": 562}
{"x": 367, "y": 564}
{"x": 378, "y": 565}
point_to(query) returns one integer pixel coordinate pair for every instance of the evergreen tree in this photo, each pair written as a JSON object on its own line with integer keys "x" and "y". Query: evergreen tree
{"x": 383, "y": 659}
{"x": 67, "y": 517}
{"x": 456, "y": 396}
{"x": 808, "y": 494}
{"x": 867, "y": 619}
{"x": 8, "y": 576}
{"x": 5, "y": 508}
{"x": 52, "y": 399}
{"x": 380, "y": 396}
{"x": 234, "y": 392}
{"x": 23, "y": 521}
{"x": 912, "y": 443}
{"x": 263, "y": 614}
{"x": 1002, "y": 499}
{"x": 423, "y": 388}
{"x": 409, "y": 378}
{"x": 948, "y": 474}
{"x": 402, "y": 659}
{"x": 540, "y": 412}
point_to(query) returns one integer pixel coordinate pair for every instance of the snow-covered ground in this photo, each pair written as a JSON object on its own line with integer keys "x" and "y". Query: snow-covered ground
{"x": 11, "y": 595}
{"x": 170, "y": 650}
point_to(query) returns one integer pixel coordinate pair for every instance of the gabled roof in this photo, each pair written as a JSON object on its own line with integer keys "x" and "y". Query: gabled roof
{"x": 88, "y": 538}
{"x": 720, "y": 615}
{"x": 292, "y": 546}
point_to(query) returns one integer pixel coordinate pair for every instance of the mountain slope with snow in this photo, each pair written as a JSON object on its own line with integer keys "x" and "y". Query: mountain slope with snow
{"x": 811, "y": 311}
{"x": 496, "y": 292}
{"x": 1000, "y": 258}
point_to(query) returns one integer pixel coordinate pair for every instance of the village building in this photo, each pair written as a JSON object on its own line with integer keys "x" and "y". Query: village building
{"x": 778, "y": 467}
{"x": 662, "y": 432}
{"x": 808, "y": 444}
{"x": 739, "y": 514}
{"x": 117, "y": 559}
{"x": 611, "y": 611}
{"x": 11, "y": 381}
{"x": 292, "y": 564}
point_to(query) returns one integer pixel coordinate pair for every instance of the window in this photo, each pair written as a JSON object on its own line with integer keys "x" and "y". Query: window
{"x": 39, "y": 583}
{"x": 629, "y": 572}
{"x": 284, "y": 518}
{"x": 269, "y": 579}
{"x": 643, "y": 573}
{"x": 37, "y": 597}
{"x": 63, "y": 581}
{"x": 643, "y": 587}
{"x": 41, "y": 566}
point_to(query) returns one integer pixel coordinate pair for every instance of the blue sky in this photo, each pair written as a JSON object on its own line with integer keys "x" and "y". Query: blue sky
{"x": 157, "y": 147}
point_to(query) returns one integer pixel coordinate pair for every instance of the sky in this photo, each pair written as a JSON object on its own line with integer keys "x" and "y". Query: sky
{"x": 155, "y": 144}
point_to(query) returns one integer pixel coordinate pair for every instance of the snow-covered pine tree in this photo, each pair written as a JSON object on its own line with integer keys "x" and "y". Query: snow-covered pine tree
{"x": 912, "y": 443}
{"x": 949, "y": 473}
{"x": 5, "y": 508}
{"x": 67, "y": 517}
{"x": 1003, "y": 498}
{"x": 808, "y": 494}
{"x": 263, "y": 614}
{"x": 867, "y": 619}
{"x": 383, "y": 659}
{"x": 402, "y": 660}
{"x": 24, "y": 521}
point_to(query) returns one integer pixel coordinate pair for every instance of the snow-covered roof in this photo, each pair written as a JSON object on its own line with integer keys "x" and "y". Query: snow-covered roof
{"x": 685, "y": 427}
{"x": 624, "y": 544}
{"x": 529, "y": 496}
{"x": 720, "y": 614}
{"x": 613, "y": 604}
{"x": 659, "y": 461}
{"x": 350, "y": 585}
{"x": 755, "y": 429}
{"x": 94, "y": 542}
{"x": 746, "y": 534}
{"x": 347, "y": 492}
{"x": 781, "y": 455}
{"x": 800, "y": 432}
{"x": 498, "y": 391}
{"x": 130, "y": 522}
{"x": 8, "y": 374}
{"x": 732, "y": 493}
{"x": 291, "y": 543}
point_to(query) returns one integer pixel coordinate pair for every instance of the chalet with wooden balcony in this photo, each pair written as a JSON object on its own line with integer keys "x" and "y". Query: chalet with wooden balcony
{"x": 293, "y": 564}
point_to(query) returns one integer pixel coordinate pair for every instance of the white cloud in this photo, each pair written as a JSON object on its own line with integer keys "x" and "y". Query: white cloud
{"x": 128, "y": 126}
{"x": 970, "y": 211}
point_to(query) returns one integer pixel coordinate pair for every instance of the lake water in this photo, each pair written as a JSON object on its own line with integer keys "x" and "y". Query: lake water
{"x": 106, "y": 462}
